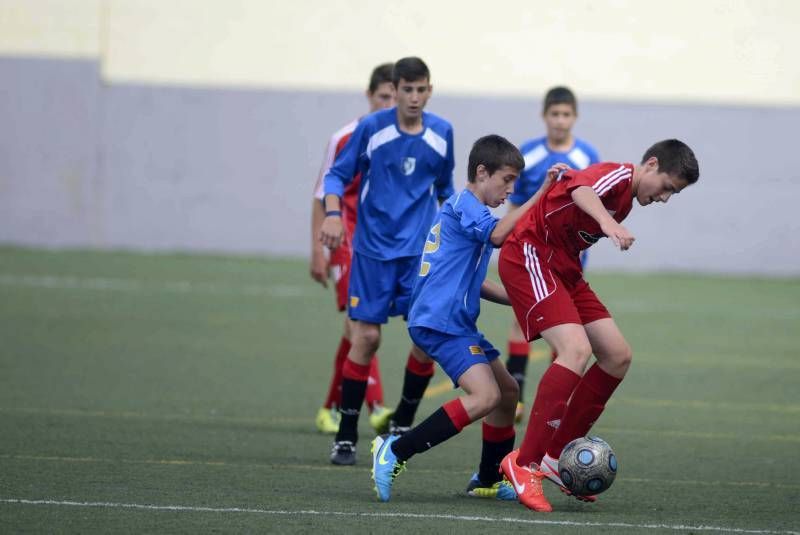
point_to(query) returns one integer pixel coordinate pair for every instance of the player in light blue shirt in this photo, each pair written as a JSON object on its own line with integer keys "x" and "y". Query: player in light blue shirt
{"x": 405, "y": 157}
{"x": 442, "y": 321}
{"x": 559, "y": 112}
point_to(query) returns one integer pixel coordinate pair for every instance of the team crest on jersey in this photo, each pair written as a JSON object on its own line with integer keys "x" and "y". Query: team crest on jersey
{"x": 476, "y": 350}
{"x": 409, "y": 164}
{"x": 590, "y": 238}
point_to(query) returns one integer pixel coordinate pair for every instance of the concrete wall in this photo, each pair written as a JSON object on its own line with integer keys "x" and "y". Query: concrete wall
{"x": 117, "y": 135}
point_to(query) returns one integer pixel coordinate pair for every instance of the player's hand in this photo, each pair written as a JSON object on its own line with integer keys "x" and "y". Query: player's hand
{"x": 553, "y": 172}
{"x": 331, "y": 232}
{"x": 618, "y": 234}
{"x": 319, "y": 267}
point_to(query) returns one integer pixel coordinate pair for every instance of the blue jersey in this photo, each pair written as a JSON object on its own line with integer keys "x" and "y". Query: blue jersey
{"x": 402, "y": 178}
{"x": 539, "y": 158}
{"x": 447, "y": 291}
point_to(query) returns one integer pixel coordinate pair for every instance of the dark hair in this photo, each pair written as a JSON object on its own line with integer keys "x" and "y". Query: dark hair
{"x": 560, "y": 95}
{"x": 493, "y": 152}
{"x": 380, "y": 75}
{"x": 674, "y": 158}
{"x": 411, "y": 70}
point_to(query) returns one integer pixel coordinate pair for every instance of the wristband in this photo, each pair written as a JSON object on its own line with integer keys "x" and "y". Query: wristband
{"x": 330, "y": 213}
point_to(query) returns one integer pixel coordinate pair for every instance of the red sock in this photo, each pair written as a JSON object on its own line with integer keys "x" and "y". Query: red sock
{"x": 554, "y": 390}
{"x": 457, "y": 413}
{"x": 585, "y": 407}
{"x": 335, "y": 388}
{"x": 355, "y": 372}
{"x": 518, "y": 349}
{"x": 374, "y": 394}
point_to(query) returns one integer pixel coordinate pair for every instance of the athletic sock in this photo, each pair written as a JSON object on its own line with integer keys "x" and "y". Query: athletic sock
{"x": 497, "y": 443}
{"x": 554, "y": 390}
{"x": 335, "y": 388}
{"x": 517, "y": 363}
{"x": 446, "y": 422}
{"x": 354, "y": 385}
{"x": 585, "y": 407}
{"x": 374, "y": 395}
{"x": 417, "y": 377}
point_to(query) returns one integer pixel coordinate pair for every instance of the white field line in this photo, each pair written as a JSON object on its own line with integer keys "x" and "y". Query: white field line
{"x": 330, "y": 468}
{"x": 457, "y": 518}
{"x": 136, "y": 286}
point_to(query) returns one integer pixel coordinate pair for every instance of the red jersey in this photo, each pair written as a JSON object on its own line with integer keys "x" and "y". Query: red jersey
{"x": 350, "y": 198}
{"x": 564, "y": 230}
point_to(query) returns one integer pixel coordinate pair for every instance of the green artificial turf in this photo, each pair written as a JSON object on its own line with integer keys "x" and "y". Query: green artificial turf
{"x": 133, "y": 383}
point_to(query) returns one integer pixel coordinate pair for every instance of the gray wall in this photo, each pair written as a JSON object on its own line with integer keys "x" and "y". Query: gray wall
{"x": 83, "y": 164}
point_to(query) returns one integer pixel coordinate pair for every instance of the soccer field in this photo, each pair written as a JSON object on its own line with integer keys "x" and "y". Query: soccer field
{"x": 176, "y": 393}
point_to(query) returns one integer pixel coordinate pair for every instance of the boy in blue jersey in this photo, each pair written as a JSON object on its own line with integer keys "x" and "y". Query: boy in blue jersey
{"x": 445, "y": 306}
{"x": 405, "y": 157}
{"x": 559, "y": 112}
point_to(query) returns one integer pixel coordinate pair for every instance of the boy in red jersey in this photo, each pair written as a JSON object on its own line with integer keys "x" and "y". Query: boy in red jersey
{"x": 541, "y": 270}
{"x": 380, "y": 95}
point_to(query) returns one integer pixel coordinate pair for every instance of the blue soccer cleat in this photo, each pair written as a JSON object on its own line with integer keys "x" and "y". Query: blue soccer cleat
{"x": 499, "y": 490}
{"x": 385, "y": 466}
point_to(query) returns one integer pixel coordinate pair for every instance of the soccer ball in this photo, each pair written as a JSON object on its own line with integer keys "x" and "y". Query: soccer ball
{"x": 587, "y": 466}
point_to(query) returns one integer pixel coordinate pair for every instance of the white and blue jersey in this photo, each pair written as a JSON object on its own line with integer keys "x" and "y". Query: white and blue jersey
{"x": 539, "y": 158}
{"x": 402, "y": 178}
{"x": 446, "y": 295}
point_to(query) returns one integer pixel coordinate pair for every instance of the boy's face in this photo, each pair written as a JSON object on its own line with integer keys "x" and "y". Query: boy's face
{"x": 495, "y": 188}
{"x": 382, "y": 98}
{"x": 656, "y": 186}
{"x": 559, "y": 119}
{"x": 412, "y": 97}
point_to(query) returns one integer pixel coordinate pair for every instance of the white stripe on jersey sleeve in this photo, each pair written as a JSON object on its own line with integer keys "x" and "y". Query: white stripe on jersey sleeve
{"x": 381, "y": 137}
{"x": 437, "y": 142}
{"x": 608, "y": 181}
{"x": 579, "y": 158}
{"x": 534, "y": 156}
{"x": 330, "y": 156}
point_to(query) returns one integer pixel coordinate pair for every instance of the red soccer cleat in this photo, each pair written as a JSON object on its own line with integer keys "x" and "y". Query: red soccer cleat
{"x": 527, "y": 482}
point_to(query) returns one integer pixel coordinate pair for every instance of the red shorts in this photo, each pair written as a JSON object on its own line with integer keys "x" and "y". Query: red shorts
{"x": 340, "y": 269}
{"x": 540, "y": 298}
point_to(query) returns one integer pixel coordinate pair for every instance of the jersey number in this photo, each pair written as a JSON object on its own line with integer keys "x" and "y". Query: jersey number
{"x": 431, "y": 247}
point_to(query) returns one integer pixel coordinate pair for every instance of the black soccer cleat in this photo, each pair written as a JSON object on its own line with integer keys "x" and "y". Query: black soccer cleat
{"x": 343, "y": 453}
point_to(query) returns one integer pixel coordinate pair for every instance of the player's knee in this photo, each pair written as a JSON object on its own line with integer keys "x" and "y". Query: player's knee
{"x": 369, "y": 338}
{"x": 509, "y": 394}
{"x": 487, "y": 400}
{"x": 576, "y": 353}
{"x": 623, "y": 357}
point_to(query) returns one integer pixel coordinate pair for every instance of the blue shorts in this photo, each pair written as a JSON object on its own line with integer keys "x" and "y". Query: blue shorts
{"x": 380, "y": 288}
{"x": 454, "y": 353}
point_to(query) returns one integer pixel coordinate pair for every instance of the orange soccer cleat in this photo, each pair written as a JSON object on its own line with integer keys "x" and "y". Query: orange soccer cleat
{"x": 527, "y": 482}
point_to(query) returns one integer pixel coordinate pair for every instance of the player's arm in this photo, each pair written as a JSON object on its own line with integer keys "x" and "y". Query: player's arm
{"x": 338, "y": 177}
{"x": 444, "y": 182}
{"x": 496, "y": 293}
{"x": 319, "y": 263}
{"x": 506, "y": 224}
{"x": 587, "y": 200}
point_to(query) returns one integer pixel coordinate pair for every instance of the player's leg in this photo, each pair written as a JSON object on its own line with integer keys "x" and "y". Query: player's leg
{"x": 378, "y": 413}
{"x": 498, "y": 440}
{"x": 613, "y": 356}
{"x": 370, "y": 293}
{"x": 555, "y": 388}
{"x": 464, "y": 361}
{"x": 419, "y": 366}
{"x": 596, "y": 386}
{"x": 418, "y": 373}
{"x": 328, "y": 415}
{"x": 327, "y": 419}
{"x": 517, "y": 363}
